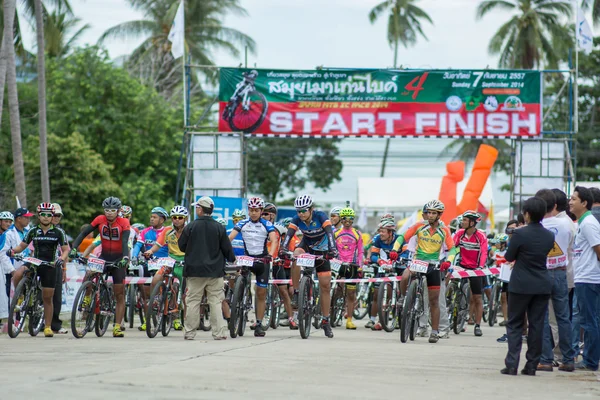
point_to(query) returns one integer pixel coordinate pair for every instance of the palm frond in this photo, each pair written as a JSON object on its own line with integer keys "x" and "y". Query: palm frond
{"x": 379, "y": 9}
{"x": 130, "y": 30}
{"x": 489, "y": 5}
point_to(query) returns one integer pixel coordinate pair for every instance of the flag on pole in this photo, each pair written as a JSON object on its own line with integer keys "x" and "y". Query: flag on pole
{"x": 177, "y": 33}
{"x": 585, "y": 37}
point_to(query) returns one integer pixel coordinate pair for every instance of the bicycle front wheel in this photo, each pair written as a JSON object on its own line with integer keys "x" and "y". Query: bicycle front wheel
{"x": 494, "y": 303}
{"x": 106, "y": 313}
{"x": 131, "y": 303}
{"x": 387, "y": 315}
{"x": 361, "y": 307}
{"x": 336, "y": 313}
{"x": 407, "y": 312}
{"x": 247, "y": 116}
{"x": 36, "y": 311}
{"x": 305, "y": 306}
{"x": 273, "y": 302}
{"x": 204, "y": 314}
{"x": 156, "y": 309}
{"x": 82, "y": 316}
{"x": 237, "y": 307}
{"x": 19, "y": 309}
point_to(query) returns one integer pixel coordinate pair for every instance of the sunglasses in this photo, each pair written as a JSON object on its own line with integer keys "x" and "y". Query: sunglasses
{"x": 265, "y": 214}
{"x": 47, "y": 215}
{"x": 58, "y": 216}
{"x": 177, "y": 217}
{"x": 110, "y": 210}
{"x": 347, "y": 218}
{"x": 302, "y": 210}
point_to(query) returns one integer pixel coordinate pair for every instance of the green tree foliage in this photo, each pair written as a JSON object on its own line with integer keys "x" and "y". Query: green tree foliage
{"x": 277, "y": 164}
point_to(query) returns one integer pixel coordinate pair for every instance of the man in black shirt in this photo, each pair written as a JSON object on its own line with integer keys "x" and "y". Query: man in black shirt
{"x": 46, "y": 239}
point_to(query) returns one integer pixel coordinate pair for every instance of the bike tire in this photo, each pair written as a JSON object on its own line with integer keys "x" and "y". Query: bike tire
{"x": 407, "y": 311}
{"x": 305, "y": 307}
{"x": 268, "y": 309}
{"x": 385, "y": 312}
{"x": 15, "y": 329}
{"x": 257, "y": 123}
{"x": 154, "y": 319}
{"x": 171, "y": 298}
{"x": 139, "y": 301}
{"x": 362, "y": 297}
{"x": 237, "y": 306}
{"x": 36, "y": 313}
{"x": 337, "y": 306}
{"x": 205, "y": 314}
{"x": 131, "y": 304}
{"x": 78, "y": 306}
{"x": 494, "y": 304}
{"x": 416, "y": 314}
{"x": 102, "y": 319}
{"x": 316, "y": 311}
{"x": 275, "y": 305}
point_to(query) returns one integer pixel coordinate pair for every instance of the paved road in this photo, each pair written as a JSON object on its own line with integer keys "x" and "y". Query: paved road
{"x": 355, "y": 364}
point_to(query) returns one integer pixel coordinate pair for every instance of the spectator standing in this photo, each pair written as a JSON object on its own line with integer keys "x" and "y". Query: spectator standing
{"x": 529, "y": 287}
{"x": 596, "y": 202}
{"x": 558, "y": 309}
{"x": 6, "y": 268}
{"x": 206, "y": 247}
{"x": 14, "y": 237}
{"x": 586, "y": 254}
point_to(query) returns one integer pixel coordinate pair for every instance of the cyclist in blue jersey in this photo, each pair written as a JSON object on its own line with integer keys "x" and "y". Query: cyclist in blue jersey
{"x": 317, "y": 239}
{"x": 238, "y": 241}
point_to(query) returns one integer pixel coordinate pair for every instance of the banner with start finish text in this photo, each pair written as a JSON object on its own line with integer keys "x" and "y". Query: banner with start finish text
{"x": 419, "y": 103}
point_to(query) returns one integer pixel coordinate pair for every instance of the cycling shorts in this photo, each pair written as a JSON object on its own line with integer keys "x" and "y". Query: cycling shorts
{"x": 349, "y": 272}
{"x": 504, "y": 287}
{"x": 322, "y": 266}
{"x": 434, "y": 279}
{"x": 118, "y": 274}
{"x": 476, "y": 284}
{"x": 288, "y": 274}
{"x": 47, "y": 275}
{"x": 487, "y": 282}
{"x": 147, "y": 273}
{"x": 261, "y": 270}
{"x": 279, "y": 272}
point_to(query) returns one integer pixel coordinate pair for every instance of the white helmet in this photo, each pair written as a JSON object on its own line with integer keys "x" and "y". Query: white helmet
{"x": 7, "y": 215}
{"x": 335, "y": 211}
{"x": 256, "y": 202}
{"x": 179, "y": 210}
{"x": 222, "y": 221}
{"x": 435, "y": 205}
{"x": 303, "y": 201}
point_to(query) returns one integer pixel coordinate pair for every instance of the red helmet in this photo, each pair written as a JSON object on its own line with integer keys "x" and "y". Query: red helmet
{"x": 256, "y": 202}
{"x": 45, "y": 207}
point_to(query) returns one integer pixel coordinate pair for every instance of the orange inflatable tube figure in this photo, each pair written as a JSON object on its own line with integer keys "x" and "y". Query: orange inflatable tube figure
{"x": 482, "y": 168}
{"x": 456, "y": 173}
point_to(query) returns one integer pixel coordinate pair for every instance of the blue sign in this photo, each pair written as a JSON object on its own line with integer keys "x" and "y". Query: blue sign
{"x": 225, "y": 206}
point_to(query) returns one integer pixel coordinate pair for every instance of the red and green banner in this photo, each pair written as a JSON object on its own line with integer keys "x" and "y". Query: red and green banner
{"x": 419, "y": 103}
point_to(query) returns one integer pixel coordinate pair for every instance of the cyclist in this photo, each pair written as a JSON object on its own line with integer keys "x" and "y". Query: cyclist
{"x": 473, "y": 247}
{"x": 46, "y": 240}
{"x": 431, "y": 236}
{"x": 349, "y": 245}
{"x": 501, "y": 240}
{"x": 238, "y": 242}
{"x": 270, "y": 212}
{"x": 317, "y": 239}
{"x": 256, "y": 231}
{"x": 287, "y": 268}
{"x": 169, "y": 237}
{"x": 125, "y": 212}
{"x": 382, "y": 245}
{"x": 334, "y": 217}
{"x": 145, "y": 241}
{"x": 114, "y": 234}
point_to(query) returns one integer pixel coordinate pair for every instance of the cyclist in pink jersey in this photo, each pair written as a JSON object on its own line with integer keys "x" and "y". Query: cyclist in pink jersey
{"x": 473, "y": 246}
{"x": 348, "y": 241}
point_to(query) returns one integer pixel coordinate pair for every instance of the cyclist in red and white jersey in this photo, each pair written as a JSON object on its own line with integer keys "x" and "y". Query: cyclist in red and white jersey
{"x": 473, "y": 247}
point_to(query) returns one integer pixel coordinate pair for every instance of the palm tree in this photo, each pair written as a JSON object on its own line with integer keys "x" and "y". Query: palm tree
{"x": 530, "y": 38}
{"x": 404, "y": 22}
{"x": 152, "y": 61}
{"x": 58, "y": 26}
{"x": 41, "y": 69}
{"x": 595, "y": 6}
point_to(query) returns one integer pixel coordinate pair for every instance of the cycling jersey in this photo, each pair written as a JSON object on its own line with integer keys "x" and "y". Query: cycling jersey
{"x": 111, "y": 236}
{"x": 430, "y": 241}
{"x": 45, "y": 244}
{"x": 255, "y": 235}
{"x": 146, "y": 240}
{"x": 169, "y": 238}
{"x": 379, "y": 245}
{"x": 314, "y": 235}
{"x": 275, "y": 243}
{"x": 237, "y": 243}
{"x": 499, "y": 257}
{"x": 473, "y": 249}
{"x": 349, "y": 245}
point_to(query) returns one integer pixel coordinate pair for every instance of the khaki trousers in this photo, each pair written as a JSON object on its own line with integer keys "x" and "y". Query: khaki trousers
{"x": 215, "y": 296}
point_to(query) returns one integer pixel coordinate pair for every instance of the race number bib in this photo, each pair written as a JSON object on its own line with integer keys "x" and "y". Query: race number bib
{"x": 305, "y": 260}
{"x": 419, "y": 266}
{"x": 153, "y": 265}
{"x": 33, "y": 261}
{"x": 95, "y": 265}
{"x": 166, "y": 262}
{"x": 335, "y": 265}
{"x": 245, "y": 261}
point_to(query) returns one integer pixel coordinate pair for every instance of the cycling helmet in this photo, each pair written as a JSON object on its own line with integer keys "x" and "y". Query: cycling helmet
{"x": 303, "y": 201}
{"x": 126, "y": 211}
{"x": 472, "y": 215}
{"x": 256, "y": 202}
{"x": 161, "y": 212}
{"x": 45, "y": 207}
{"x": 281, "y": 229}
{"x": 501, "y": 238}
{"x": 138, "y": 226}
{"x": 347, "y": 212}
{"x": 179, "y": 210}
{"x": 286, "y": 222}
{"x": 238, "y": 214}
{"x": 222, "y": 221}
{"x": 434, "y": 205}
{"x": 270, "y": 208}
{"x": 386, "y": 216}
{"x": 387, "y": 224}
{"x": 454, "y": 224}
{"x": 335, "y": 211}
{"x": 111, "y": 203}
{"x": 7, "y": 215}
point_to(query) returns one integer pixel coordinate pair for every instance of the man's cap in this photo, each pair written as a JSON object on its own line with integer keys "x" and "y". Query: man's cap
{"x": 57, "y": 209}
{"x": 204, "y": 201}
{"x": 23, "y": 212}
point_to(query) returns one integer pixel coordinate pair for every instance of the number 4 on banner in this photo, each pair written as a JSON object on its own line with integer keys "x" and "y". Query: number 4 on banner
{"x": 418, "y": 81}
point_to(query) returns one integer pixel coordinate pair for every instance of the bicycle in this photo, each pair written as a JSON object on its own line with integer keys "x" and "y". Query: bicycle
{"x": 460, "y": 305}
{"x": 163, "y": 305}
{"x": 414, "y": 307}
{"x": 241, "y": 301}
{"x": 364, "y": 294}
{"x": 101, "y": 309}
{"x": 494, "y": 305}
{"x": 134, "y": 303}
{"x": 338, "y": 292}
{"x": 247, "y": 107}
{"x": 309, "y": 307}
{"x": 32, "y": 306}
{"x": 388, "y": 296}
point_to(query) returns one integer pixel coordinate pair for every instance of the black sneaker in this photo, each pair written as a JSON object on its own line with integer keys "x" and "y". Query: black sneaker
{"x": 477, "y": 331}
{"x": 327, "y": 329}
{"x": 258, "y": 331}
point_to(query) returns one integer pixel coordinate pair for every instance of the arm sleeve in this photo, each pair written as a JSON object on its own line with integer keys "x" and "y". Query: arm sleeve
{"x": 513, "y": 247}
{"x": 359, "y": 248}
{"x": 484, "y": 251}
{"x": 83, "y": 234}
{"x": 591, "y": 232}
{"x": 183, "y": 239}
{"x": 406, "y": 236}
{"x": 288, "y": 236}
{"x": 125, "y": 242}
{"x": 330, "y": 239}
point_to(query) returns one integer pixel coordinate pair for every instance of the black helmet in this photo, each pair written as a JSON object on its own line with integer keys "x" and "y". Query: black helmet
{"x": 270, "y": 208}
{"x": 111, "y": 202}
